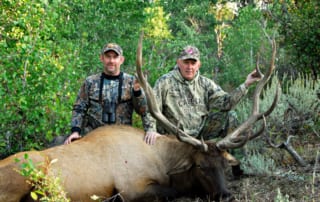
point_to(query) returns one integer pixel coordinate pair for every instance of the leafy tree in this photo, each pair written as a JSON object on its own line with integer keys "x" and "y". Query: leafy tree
{"x": 243, "y": 42}
{"x": 99, "y": 22}
{"x": 190, "y": 23}
{"x": 299, "y": 22}
{"x": 34, "y": 89}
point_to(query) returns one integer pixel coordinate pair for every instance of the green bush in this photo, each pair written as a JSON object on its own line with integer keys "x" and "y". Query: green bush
{"x": 258, "y": 164}
{"x": 298, "y": 109}
{"x": 46, "y": 186}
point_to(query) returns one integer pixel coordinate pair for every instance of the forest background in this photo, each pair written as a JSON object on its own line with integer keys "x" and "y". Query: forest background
{"x": 48, "y": 47}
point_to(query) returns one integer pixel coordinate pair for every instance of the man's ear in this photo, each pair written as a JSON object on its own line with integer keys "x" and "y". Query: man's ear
{"x": 199, "y": 64}
{"x": 122, "y": 59}
{"x": 101, "y": 57}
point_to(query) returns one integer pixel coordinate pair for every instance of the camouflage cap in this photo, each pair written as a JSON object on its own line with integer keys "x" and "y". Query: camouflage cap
{"x": 190, "y": 52}
{"x": 112, "y": 47}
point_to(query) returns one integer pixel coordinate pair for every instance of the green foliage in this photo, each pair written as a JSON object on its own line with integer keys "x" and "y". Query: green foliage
{"x": 103, "y": 22}
{"x": 46, "y": 186}
{"x": 299, "y": 28}
{"x": 280, "y": 197}
{"x": 189, "y": 22}
{"x": 47, "y": 48}
{"x": 298, "y": 109}
{"x": 303, "y": 101}
{"x": 297, "y": 114}
{"x": 244, "y": 40}
{"x": 256, "y": 163}
{"x": 156, "y": 23}
{"x": 36, "y": 89}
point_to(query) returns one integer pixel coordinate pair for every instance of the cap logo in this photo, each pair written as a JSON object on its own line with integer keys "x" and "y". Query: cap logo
{"x": 189, "y": 51}
{"x": 110, "y": 45}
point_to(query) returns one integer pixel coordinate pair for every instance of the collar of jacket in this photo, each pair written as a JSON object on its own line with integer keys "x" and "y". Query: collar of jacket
{"x": 110, "y": 77}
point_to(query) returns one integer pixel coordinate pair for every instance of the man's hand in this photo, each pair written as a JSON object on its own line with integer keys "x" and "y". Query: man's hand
{"x": 150, "y": 137}
{"x": 136, "y": 85}
{"x": 73, "y": 136}
{"x": 252, "y": 78}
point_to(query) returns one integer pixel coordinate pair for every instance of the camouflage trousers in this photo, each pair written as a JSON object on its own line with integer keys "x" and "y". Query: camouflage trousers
{"x": 218, "y": 125}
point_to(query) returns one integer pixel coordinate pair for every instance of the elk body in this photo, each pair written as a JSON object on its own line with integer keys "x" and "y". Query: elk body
{"x": 115, "y": 159}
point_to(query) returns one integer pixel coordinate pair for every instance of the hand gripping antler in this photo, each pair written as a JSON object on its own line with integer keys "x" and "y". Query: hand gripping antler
{"x": 235, "y": 139}
{"x": 154, "y": 109}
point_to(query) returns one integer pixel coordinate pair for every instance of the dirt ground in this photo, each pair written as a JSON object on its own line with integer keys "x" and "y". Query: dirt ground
{"x": 277, "y": 188}
{"x": 289, "y": 183}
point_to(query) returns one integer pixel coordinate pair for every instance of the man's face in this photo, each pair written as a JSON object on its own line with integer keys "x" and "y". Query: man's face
{"x": 188, "y": 68}
{"x": 111, "y": 62}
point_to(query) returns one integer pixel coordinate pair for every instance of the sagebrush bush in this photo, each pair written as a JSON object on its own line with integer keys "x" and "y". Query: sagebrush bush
{"x": 297, "y": 111}
{"x": 257, "y": 163}
{"x": 280, "y": 197}
{"x": 297, "y": 114}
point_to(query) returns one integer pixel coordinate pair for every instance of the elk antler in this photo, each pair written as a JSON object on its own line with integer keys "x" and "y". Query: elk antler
{"x": 154, "y": 109}
{"x": 235, "y": 139}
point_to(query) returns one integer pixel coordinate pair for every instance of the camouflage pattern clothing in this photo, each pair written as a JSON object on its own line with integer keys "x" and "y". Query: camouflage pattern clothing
{"x": 104, "y": 99}
{"x": 198, "y": 106}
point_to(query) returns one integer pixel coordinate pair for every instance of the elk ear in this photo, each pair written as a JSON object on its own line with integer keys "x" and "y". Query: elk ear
{"x": 232, "y": 161}
{"x": 186, "y": 165}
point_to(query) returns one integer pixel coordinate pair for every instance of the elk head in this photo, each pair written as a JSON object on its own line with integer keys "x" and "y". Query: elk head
{"x": 232, "y": 140}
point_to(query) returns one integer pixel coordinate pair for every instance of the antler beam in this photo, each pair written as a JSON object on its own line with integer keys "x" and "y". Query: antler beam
{"x": 235, "y": 139}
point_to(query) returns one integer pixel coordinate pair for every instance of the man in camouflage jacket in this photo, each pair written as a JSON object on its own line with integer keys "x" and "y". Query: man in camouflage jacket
{"x": 197, "y": 104}
{"x": 107, "y": 98}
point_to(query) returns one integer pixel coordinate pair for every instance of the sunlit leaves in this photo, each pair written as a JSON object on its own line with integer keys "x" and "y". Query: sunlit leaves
{"x": 156, "y": 25}
{"x": 33, "y": 61}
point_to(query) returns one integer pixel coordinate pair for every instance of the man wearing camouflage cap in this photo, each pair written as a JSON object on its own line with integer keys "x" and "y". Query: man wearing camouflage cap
{"x": 197, "y": 104}
{"x": 108, "y": 97}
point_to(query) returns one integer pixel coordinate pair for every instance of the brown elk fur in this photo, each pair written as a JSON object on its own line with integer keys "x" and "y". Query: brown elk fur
{"x": 116, "y": 159}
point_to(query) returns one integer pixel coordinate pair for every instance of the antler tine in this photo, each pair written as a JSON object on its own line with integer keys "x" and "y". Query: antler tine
{"x": 264, "y": 80}
{"x": 154, "y": 108}
{"x": 260, "y": 131}
{"x": 232, "y": 139}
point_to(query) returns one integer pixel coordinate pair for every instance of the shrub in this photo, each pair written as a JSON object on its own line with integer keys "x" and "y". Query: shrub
{"x": 46, "y": 186}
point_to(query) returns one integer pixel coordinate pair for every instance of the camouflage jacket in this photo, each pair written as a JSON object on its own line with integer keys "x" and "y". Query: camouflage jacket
{"x": 116, "y": 101}
{"x": 187, "y": 103}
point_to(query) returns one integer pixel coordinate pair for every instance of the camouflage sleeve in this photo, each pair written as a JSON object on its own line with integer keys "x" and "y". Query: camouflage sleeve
{"x": 139, "y": 101}
{"x": 141, "y": 107}
{"x": 79, "y": 108}
{"x": 222, "y": 101}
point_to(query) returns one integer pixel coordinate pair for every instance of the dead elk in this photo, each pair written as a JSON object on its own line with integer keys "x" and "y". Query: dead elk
{"x": 115, "y": 159}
